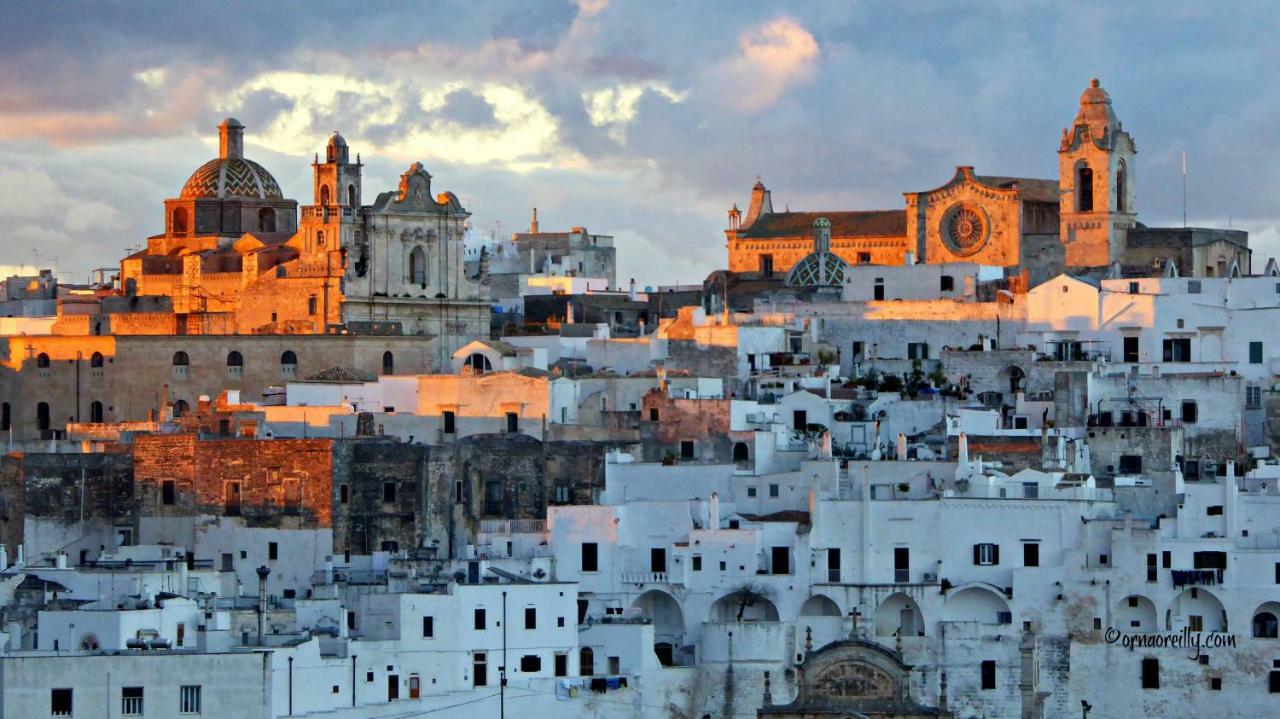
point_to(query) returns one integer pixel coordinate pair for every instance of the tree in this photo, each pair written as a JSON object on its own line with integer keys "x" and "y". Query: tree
{"x": 748, "y": 595}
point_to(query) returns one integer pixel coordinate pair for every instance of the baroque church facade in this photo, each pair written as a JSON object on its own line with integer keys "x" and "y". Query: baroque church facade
{"x": 1084, "y": 221}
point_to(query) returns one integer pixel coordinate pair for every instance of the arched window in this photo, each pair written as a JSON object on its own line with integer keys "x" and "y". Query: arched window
{"x": 178, "y": 221}
{"x": 351, "y": 195}
{"x": 6, "y": 418}
{"x": 234, "y": 359}
{"x": 741, "y": 453}
{"x": 1122, "y": 201}
{"x": 289, "y": 364}
{"x": 324, "y": 195}
{"x": 478, "y": 363}
{"x": 96, "y": 360}
{"x": 586, "y": 662}
{"x": 320, "y": 238}
{"x": 1084, "y": 189}
{"x": 418, "y": 267}
{"x": 42, "y": 416}
{"x": 180, "y": 408}
{"x": 388, "y": 363}
{"x": 267, "y": 219}
{"x": 42, "y": 360}
{"x": 95, "y": 412}
{"x": 180, "y": 359}
{"x": 1265, "y": 626}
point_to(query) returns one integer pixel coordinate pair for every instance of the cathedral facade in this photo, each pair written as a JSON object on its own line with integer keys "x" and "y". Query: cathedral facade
{"x": 1081, "y": 222}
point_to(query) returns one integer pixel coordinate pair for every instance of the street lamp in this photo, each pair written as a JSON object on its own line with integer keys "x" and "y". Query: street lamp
{"x": 1085, "y": 708}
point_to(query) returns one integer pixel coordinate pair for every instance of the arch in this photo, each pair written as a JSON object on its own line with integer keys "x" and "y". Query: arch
{"x": 479, "y": 363}
{"x": 586, "y": 662}
{"x": 976, "y": 604}
{"x": 388, "y": 363}
{"x": 96, "y": 360}
{"x": 90, "y": 642}
{"x": 351, "y": 195}
{"x": 1266, "y": 621}
{"x": 663, "y": 612}
{"x": 1196, "y": 606}
{"x": 418, "y": 267}
{"x": 180, "y": 359}
{"x": 1122, "y": 186}
{"x": 180, "y": 408}
{"x": 899, "y": 615}
{"x": 1084, "y": 187}
{"x": 95, "y": 412}
{"x": 42, "y": 416}
{"x": 42, "y": 360}
{"x": 319, "y": 238}
{"x": 1136, "y": 614}
{"x": 178, "y": 220}
{"x": 1014, "y": 378}
{"x": 745, "y": 604}
{"x": 289, "y": 358}
{"x": 235, "y": 359}
{"x": 820, "y": 605}
{"x": 267, "y": 220}
{"x": 324, "y": 195}
{"x": 741, "y": 452}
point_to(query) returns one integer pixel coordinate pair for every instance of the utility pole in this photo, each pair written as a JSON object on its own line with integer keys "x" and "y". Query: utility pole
{"x": 502, "y": 670}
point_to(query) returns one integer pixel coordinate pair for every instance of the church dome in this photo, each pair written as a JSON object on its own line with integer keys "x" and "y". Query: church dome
{"x": 1095, "y": 111}
{"x": 818, "y": 269}
{"x": 228, "y": 177}
{"x": 336, "y": 140}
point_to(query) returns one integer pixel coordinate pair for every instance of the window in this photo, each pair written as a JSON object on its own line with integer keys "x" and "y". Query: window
{"x": 530, "y": 618}
{"x": 988, "y": 674}
{"x": 479, "y": 669}
{"x": 590, "y": 557}
{"x": 653, "y": 414}
{"x": 292, "y": 491}
{"x": 344, "y": 494}
{"x": 168, "y": 492}
{"x": 1265, "y": 626}
{"x": 1030, "y": 554}
{"x": 311, "y": 305}
{"x": 388, "y": 363}
{"x": 780, "y": 560}
{"x": 235, "y": 364}
{"x": 1133, "y": 288}
{"x": 178, "y": 223}
{"x": 131, "y": 701}
{"x": 60, "y": 701}
{"x": 1193, "y": 286}
{"x": 833, "y": 564}
{"x": 42, "y": 361}
{"x": 6, "y": 417}
{"x": 1150, "y": 673}
{"x": 289, "y": 363}
{"x": 1252, "y": 397}
{"x": 986, "y": 554}
{"x": 766, "y": 265}
{"x": 773, "y": 490}
{"x": 428, "y": 627}
{"x": 1130, "y": 464}
{"x": 561, "y": 664}
{"x": 657, "y": 559}
{"x": 918, "y": 350}
{"x": 513, "y": 423}
{"x": 1255, "y": 353}
{"x": 1131, "y": 349}
{"x": 1030, "y": 490}
{"x": 231, "y": 499}
{"x": 697, "y": 562}
{"x": 273, "y": 550}
{"x": 531, "y": 663}
{"x": 189, "y": 699}
{"x": 686, "y": 449}
{"x": 946, "y": 283}
{"x": 1273, "y": 682}
{"x": 389, "y": 492}
{"x": 479, "y": 619}
{"x": 1177, "y": 349}
{"x": 1215, "y": 684}
{"x": 95, "y": 412}
{"x": 1213, "y": 510}
{"x": 1084, "y": 189}
{"x": 751, "y": 491}
{"x": 877, "y": 290}
{"x": 1188, "y": 411}
{"x": 450, "y": 422}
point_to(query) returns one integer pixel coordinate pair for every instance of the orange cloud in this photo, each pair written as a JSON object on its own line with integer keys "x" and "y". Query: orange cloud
{"x": 771, "y": 59}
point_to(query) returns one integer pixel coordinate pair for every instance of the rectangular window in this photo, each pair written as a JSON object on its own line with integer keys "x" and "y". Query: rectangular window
{"x": 1252, "y": 397}
{"x": 773, "y": 490}
{"x": 530, "y": 618}
{"x": 428, "y": 627}
{"x": 1131, "y": 349}
{"x": 766, "y": 265}
{"x": 1030, "y": 490}
{"x": 479, "y": 619}
{"x": 60, "y": 702}
{"x": 513, "y": 423}
{"x": 918, "y": 350}
{"x": 901, "y": 565}
{"x": 986, "y": 554}
{"x": 751, "y": 491}
{"x": 131, "y": 701}
{"x": 344, "y": 494}
{"x": 781, "y": 560}
{"x": 273, "y": 550}
{"x": 450, "y": 422}
{"x": 231, "y": 499}
{"x": 189, "y": 699}
{"x": 590, "y": 557}
{"x": 697, "y": 562}
{"x": 1273, "y": 682}
{"x": 657, "y": 560}
{"x": 799, "y": 420}
{"x": 1030, "y": 554}
{"x": 292, "y": 491}
{"x": 1195, "y": 623}
{"x": 1130, "y": 464}
{"x": 311, "y": 305}
{"x": 877, "y": 289}
{"x": 479, "y": 669}
{"x": 168, "y": 492}
{"x": 1255, "y": 353}
{"x": 1213, "y": 510}
{"x": 1133, "y": 288}
{"x": 1177, "y": 349}
{"x": 653, "y": 414}
{"x": 531, "y": 663}
{"x": 1189, "y": 413}
{"x": 988, "y": 674}
{"x": 864, "y": 258}
{"x": 1193, "y": 287}
{"x": 389, "y": 492}
{"x": 833, "y": 564}
{"x": 1150, "y": 673}
{"x": 686, "y": 449}
{"x": 946, "y": 283}
{"x": 562, "y": 665}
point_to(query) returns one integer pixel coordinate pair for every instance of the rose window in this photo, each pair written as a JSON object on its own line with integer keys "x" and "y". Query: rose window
{"x": 966, "y": 230}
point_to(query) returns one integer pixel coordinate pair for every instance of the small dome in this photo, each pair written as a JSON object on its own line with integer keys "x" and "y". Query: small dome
{"x": 227, "y": 177}
{"x": 1095, "y": 111}
{"x": 336, "y": 140}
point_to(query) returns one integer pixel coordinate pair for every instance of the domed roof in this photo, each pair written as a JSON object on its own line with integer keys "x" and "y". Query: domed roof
{"x": 227, "y": 177}
{"x": 336, "y": 140}
{"x": 817, "y": 269}
{"x": 1095, "y": 111}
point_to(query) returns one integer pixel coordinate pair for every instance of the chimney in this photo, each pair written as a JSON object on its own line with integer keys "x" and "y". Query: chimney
{"x": 910, "y": 259}
{"x": 262, "y": 603}
{"x": 714, "y": 511}
{"x": 963, "y": 442}
{"x": 533, "y": 225}
{"x": 902, "y": 446}
{"x": 632, "y": 293}
{"x": 230, "y": 138}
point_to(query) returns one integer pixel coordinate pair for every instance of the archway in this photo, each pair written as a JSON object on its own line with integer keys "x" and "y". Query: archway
{"x": 324, "y": 195}
{"x": 899, "y": 615}
{"x": 388, "y": 363}
{"x": 745, "y": 604}
{"x": 95, "y": 360}
{"x": 95, "y": 412}
{"x": 1014, "y": 378}
{"x": 976, "y": 604}
{"x": 663, "y": 612}
{"x": 820, "y": 606}
{"x": 180, "y": 408}
{"x": 586, "y": 662}
{"x": 267, "y": 220}
{"x": 42, "y": 361}
{"x": 178, "y": 223}
{"x": 819, "y": 623}
{"x": 1266, "y": 621}
{"x": 1198, "y": 610}
{"x": 351, "y": 195}
{"x": 1084, "y": 188}
{"x": 1136, "y": 614}
{"x": 741, "y": 453}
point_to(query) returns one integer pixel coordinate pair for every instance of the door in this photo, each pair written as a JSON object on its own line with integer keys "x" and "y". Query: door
{"x": 1130, "y": 349}
{"x": 799, "y": 420}
{"x": 781, "y": 557}
{"x": 907, "y": 622}
{"x": 833, "y": 564}
{"x": 479, "y": 670}
{"x": 901, "y": 565}
{"x": 414, "y": 688}
{"x": 393, "y": 687}
{"x": 473, "y": 572}
{"x": 562, "y": 665}
{"x": 657, "y": 560}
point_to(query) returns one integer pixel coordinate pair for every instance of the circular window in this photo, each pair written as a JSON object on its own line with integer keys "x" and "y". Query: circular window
{"x": 964, "y": 229}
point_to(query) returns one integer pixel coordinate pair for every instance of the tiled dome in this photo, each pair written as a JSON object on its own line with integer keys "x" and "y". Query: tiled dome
{"x": 227, "y": 177}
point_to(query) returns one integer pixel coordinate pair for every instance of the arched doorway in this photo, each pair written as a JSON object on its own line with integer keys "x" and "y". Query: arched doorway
{"x": 899, "y": 615}
{"x": 1196, "y": 609}
{"x": 741, "y": 453}
{"x": 976, "y": 604}
{"x": 1136, "y": 614}
{"x": 663, "y": 612}
{"x": 267, "y": 220}
{"x": 819, "y": 622}
{"x": 586, "y": 662}
{"x": 745, "y": 604}
{"x": 1266, "y": 621}
{"x": 388, "y": 363}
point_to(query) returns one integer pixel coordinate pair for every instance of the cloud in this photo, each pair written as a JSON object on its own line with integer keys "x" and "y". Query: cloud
{"x": 771, "y": 59}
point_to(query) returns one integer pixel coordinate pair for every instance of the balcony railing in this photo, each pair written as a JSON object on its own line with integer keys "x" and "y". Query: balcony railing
{"x": 645, "y": 577}
{"x": 513, "y": 526}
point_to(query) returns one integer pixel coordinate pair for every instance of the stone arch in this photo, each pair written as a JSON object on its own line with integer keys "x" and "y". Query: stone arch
{"x": 388, "y": 363}
{"x": 324, "y": 195}
{"x": 1192, "y": 603}
{"x": 418, "y": 266}
{"x": 288, "y": 357}
{"x": 351, "y": 195}
{"x": 1084, "y": 187}
{"x": 976, "y": 603}
{"x": 267, "y": 220}
{"x": 900, "y": 615}
{"x": 663, "y": 612}
{"x": 96, "y": 360}
{"x": 1136, "y": 614}
{"x": 745, "y": 604}
{"x": 178, "y": 221}
{"x": 1266, "y": 621}
{"x": 1015, "y": 378}
{"x": 741, "y": 452}
{"x": 95, "y": 412}
{"x": 819, "y": 623}
{"x": 235, "y": 359}
{"x": 820, "y": 605}
{"x": 42, "y": 416}
{"x": 180, "y": 359}
{"x": 180, "y": 408}
{"x": 42, "y": 360}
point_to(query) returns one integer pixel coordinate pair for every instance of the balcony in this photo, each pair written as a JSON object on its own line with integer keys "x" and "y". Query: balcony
{"x": 513, "y": 526}
{"x": 646, "y": 578}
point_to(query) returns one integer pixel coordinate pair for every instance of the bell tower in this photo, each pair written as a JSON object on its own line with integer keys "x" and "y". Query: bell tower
{"x": 1095, "y": 182}
{"x": 331, "y": 223}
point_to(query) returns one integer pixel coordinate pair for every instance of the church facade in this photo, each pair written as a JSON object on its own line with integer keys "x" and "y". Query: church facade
{"x": 1080, "y": 222}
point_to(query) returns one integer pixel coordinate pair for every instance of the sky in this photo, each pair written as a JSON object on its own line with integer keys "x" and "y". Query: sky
{"x": 645, "y": 120}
